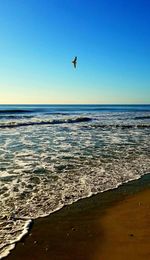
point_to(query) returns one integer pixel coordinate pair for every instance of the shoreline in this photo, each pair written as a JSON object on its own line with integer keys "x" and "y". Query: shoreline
{"x": 80, "y": 230}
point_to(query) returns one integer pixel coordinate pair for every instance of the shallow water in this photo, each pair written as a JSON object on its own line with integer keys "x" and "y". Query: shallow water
{"x": 51, "y": 156}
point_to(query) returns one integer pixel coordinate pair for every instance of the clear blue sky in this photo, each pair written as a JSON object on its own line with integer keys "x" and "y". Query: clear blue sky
{"x": 39, "y": 38}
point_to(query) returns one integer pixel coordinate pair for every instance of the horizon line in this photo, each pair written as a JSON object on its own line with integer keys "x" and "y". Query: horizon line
{"x": 70, "y": 104}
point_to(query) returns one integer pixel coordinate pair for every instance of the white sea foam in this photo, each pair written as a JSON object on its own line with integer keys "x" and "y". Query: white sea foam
{"x": 6, "y": 249}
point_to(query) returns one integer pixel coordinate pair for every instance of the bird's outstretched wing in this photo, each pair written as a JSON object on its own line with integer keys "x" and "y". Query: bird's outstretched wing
{"x": 75, "y": 59}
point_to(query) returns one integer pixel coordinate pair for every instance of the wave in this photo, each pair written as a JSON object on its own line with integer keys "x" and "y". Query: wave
{"x": 119, "y": 126}
{"x": 15, "y": 111}
{"x": 142, "y": 117}
{"x": 70, "y": 121}
{"x": 57, "y": 113}
{"x": 14, "y": 116}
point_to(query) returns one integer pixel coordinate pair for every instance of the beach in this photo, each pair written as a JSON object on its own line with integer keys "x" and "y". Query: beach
{"x": 127, "y": 229}
{"x": 111, "y": 225}
{"x": 62, "y": 169}
{"x": 74, "y": 130}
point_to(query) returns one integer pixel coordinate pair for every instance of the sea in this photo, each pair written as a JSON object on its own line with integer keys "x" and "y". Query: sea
{"x": 54, "y": 155}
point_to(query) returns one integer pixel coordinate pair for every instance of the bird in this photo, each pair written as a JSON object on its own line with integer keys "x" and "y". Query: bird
{"x": 75, "y": 62}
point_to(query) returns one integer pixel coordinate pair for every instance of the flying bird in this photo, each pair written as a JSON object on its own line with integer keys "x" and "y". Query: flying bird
{"x": 75, "y": 62}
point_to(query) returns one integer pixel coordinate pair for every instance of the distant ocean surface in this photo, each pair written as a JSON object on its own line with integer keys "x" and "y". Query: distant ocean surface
{"x": 53, "y": 155}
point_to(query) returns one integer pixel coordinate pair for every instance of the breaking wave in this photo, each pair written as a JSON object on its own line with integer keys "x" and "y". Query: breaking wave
{"x": 52, "y": 122}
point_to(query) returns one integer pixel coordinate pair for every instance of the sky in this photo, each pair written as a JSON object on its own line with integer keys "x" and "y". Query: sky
{"x": 39, "y": 39}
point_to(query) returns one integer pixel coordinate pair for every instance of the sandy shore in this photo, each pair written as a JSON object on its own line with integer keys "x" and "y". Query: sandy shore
{"x": 111, "y": 225}
{"x": 126, "y": 228}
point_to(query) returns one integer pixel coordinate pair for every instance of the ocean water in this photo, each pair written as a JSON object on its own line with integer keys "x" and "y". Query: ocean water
{"x": 53, "y": 155}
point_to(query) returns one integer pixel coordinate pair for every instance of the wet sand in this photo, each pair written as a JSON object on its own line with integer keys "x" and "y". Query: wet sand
{"x": 127, "y": 229}
{"x": 111, "y": 225}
